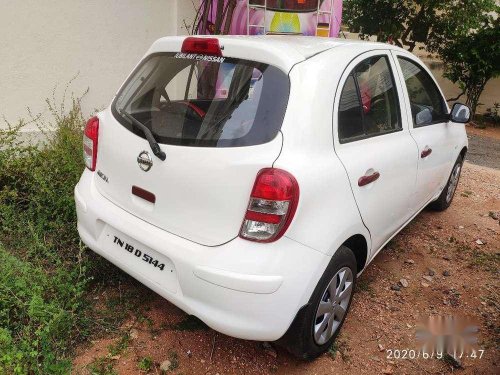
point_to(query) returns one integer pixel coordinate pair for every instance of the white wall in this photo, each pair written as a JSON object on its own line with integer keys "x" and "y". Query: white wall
{"x": 44, "y": 43}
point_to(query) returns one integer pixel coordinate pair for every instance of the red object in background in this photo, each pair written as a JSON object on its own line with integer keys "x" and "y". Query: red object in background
{"x": 366, "y": 97}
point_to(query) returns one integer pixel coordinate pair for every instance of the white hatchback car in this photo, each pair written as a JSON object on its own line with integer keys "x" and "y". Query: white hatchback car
{"x": 249, "y": 180}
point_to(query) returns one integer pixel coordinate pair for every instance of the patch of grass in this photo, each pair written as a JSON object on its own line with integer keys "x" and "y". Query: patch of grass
{"x": 478, "y": 258}
{"x": 145, "y": 364}
{"x": 43, "y": 267}
{"x": 341, "y": 347}
{"x": 334, "y": 349}
{"x": 102, "y": 366}
{"x": 48, "y": 280}
{"x": 488, "y": 261}
{"x": 190, "y": 323}
{"x": 120, "y": 346}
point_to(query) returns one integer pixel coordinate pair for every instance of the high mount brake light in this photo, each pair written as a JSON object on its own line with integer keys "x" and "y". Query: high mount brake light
{"x": 90, "y": 140}
{"x": 202, "y": 46}
{"x": 272, "y": 205}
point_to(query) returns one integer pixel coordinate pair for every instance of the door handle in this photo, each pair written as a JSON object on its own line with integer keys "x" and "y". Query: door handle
{"x": 425, "y": 152}
{"x": 365, "y": 180}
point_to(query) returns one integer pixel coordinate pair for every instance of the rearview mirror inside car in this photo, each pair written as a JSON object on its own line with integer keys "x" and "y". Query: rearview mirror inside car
{"x": 460, "y": 113}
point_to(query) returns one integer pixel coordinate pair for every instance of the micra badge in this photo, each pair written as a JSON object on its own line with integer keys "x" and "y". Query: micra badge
{"x": 103, "y": 176}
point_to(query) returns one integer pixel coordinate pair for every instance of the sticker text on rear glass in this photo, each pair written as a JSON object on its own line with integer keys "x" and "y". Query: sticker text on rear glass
{"x": 194, "y": 56}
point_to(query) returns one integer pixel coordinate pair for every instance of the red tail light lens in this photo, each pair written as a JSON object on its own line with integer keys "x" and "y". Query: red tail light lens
{"x": 90, "y": 138}
{"x": 272, "y": 205}
{"x": 202, "y": 46}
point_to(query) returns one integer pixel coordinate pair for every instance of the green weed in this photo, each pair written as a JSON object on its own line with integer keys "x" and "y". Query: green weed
{"x": 145, "y": 364}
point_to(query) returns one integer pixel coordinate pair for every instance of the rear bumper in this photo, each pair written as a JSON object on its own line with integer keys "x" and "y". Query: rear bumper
{"x": 242, "y": 289}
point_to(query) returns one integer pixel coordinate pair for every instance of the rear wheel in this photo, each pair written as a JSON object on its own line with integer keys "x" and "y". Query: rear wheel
{"x": 318, "y": 323}
{"x": 446, "y": 197}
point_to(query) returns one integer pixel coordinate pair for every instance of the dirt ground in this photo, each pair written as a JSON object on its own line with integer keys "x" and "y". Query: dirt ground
{"x": 460, "y": 247}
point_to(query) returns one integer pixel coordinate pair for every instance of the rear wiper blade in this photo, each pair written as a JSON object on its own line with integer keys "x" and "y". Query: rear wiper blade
{"x": 155, "y": 147}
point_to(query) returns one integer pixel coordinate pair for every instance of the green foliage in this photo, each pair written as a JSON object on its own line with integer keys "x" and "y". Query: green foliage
{"x": 384, "y": 18}
{"x": 471, "y": 57}
{"x": 42, "y": 265}
{"x": 405, "y": 22}
{"x": 102, "y": 366}
{"x": 462, "y": 33}
{"x": 120, "y": 346}
{"x": 145, "y": 364}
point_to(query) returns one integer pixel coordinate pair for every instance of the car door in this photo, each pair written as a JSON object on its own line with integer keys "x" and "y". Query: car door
{"x": 373, "y": 143}
{"x": 429, "y": 127}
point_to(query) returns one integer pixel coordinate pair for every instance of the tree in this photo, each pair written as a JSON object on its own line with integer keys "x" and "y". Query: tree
{"x": 403, "y": 22}
{"x": 457, "y": 31}
{"x": 470, "y": 53}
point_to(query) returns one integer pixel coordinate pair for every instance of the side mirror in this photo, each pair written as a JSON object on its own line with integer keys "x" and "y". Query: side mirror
{"x": 423, "y": 117}
{"x": 460, "y": 113}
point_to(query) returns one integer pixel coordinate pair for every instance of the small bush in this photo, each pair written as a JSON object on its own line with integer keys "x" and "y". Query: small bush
{"x": 145, "y": 364}
{"x": 42, "y": 265}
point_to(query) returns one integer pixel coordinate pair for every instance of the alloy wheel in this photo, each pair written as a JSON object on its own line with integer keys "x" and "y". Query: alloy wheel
{"x": 452, "y": 186}
{"x": 333, "y": 305}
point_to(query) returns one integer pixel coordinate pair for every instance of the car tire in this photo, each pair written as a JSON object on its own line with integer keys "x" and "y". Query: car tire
{"x": 307, "y": 338}
{"x": 446, "y": 197}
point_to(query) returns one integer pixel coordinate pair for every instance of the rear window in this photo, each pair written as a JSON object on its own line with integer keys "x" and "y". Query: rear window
{"x": 205, "y": 101}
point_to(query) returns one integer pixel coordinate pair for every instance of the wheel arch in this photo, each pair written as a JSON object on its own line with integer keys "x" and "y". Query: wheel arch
{"x": 359, "y": 246}
{"x": 463, "y": 152}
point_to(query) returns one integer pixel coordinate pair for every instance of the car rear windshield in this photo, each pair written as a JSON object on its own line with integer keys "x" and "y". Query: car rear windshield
{"x": 205, "y": 101}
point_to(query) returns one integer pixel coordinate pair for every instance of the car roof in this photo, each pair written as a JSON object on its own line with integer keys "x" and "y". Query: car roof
{"x": 307, "y": 46}
{"x": 283, "y": 51}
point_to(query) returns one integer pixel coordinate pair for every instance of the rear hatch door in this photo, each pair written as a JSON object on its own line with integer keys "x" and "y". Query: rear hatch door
{"x": 218, "y": 121}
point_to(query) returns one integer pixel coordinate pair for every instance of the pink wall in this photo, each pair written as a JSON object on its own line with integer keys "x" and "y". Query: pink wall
{"x": 289, "y": 21}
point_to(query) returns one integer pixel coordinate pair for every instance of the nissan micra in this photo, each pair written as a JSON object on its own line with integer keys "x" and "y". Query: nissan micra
{"x": 250, "y": 180}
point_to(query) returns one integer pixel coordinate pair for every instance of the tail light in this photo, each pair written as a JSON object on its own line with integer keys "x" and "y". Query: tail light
{"x": 272, "y": 205}
{"x": 90, "y": 138}
{"x": 202, "y": 46}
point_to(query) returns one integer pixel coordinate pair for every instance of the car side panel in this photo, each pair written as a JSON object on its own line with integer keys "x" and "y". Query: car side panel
{"x": 446, "y": 140}
{"x": 327, "y": 214}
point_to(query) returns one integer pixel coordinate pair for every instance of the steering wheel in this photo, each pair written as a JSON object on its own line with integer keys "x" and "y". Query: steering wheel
{"x": 193, "y": 110}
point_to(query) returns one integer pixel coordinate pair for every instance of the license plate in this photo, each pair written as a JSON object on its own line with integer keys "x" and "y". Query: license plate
{"x": 141, "y": 259}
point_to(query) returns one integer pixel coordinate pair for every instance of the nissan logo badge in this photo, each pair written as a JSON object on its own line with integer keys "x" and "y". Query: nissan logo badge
{"x": 145, "y": 161}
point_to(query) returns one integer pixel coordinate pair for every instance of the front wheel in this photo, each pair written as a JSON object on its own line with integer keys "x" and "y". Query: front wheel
{"x": 318, "y": 323}
{"x": 446, "y": 196}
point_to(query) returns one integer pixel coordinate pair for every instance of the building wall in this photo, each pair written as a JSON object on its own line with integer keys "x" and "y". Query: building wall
{"x": 45, "y": 43}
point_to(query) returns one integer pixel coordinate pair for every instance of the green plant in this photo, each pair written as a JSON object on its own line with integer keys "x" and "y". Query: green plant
{"x": 332, "y": 352}
{"x": 118, "y": 347}
{"x": 43, "y": 268}
{"x": 145, "y": 364}
{"x": 102, "y": 366}
{"x": 471, "y": 57}
{"x": 464, "y": 34}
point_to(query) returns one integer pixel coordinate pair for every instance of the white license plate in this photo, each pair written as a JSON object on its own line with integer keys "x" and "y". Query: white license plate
{"x": 141, "y": 259}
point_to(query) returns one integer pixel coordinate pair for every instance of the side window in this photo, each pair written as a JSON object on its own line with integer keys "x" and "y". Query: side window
{"x": 368, "y": 104}
{"x": 427, "y": 104}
